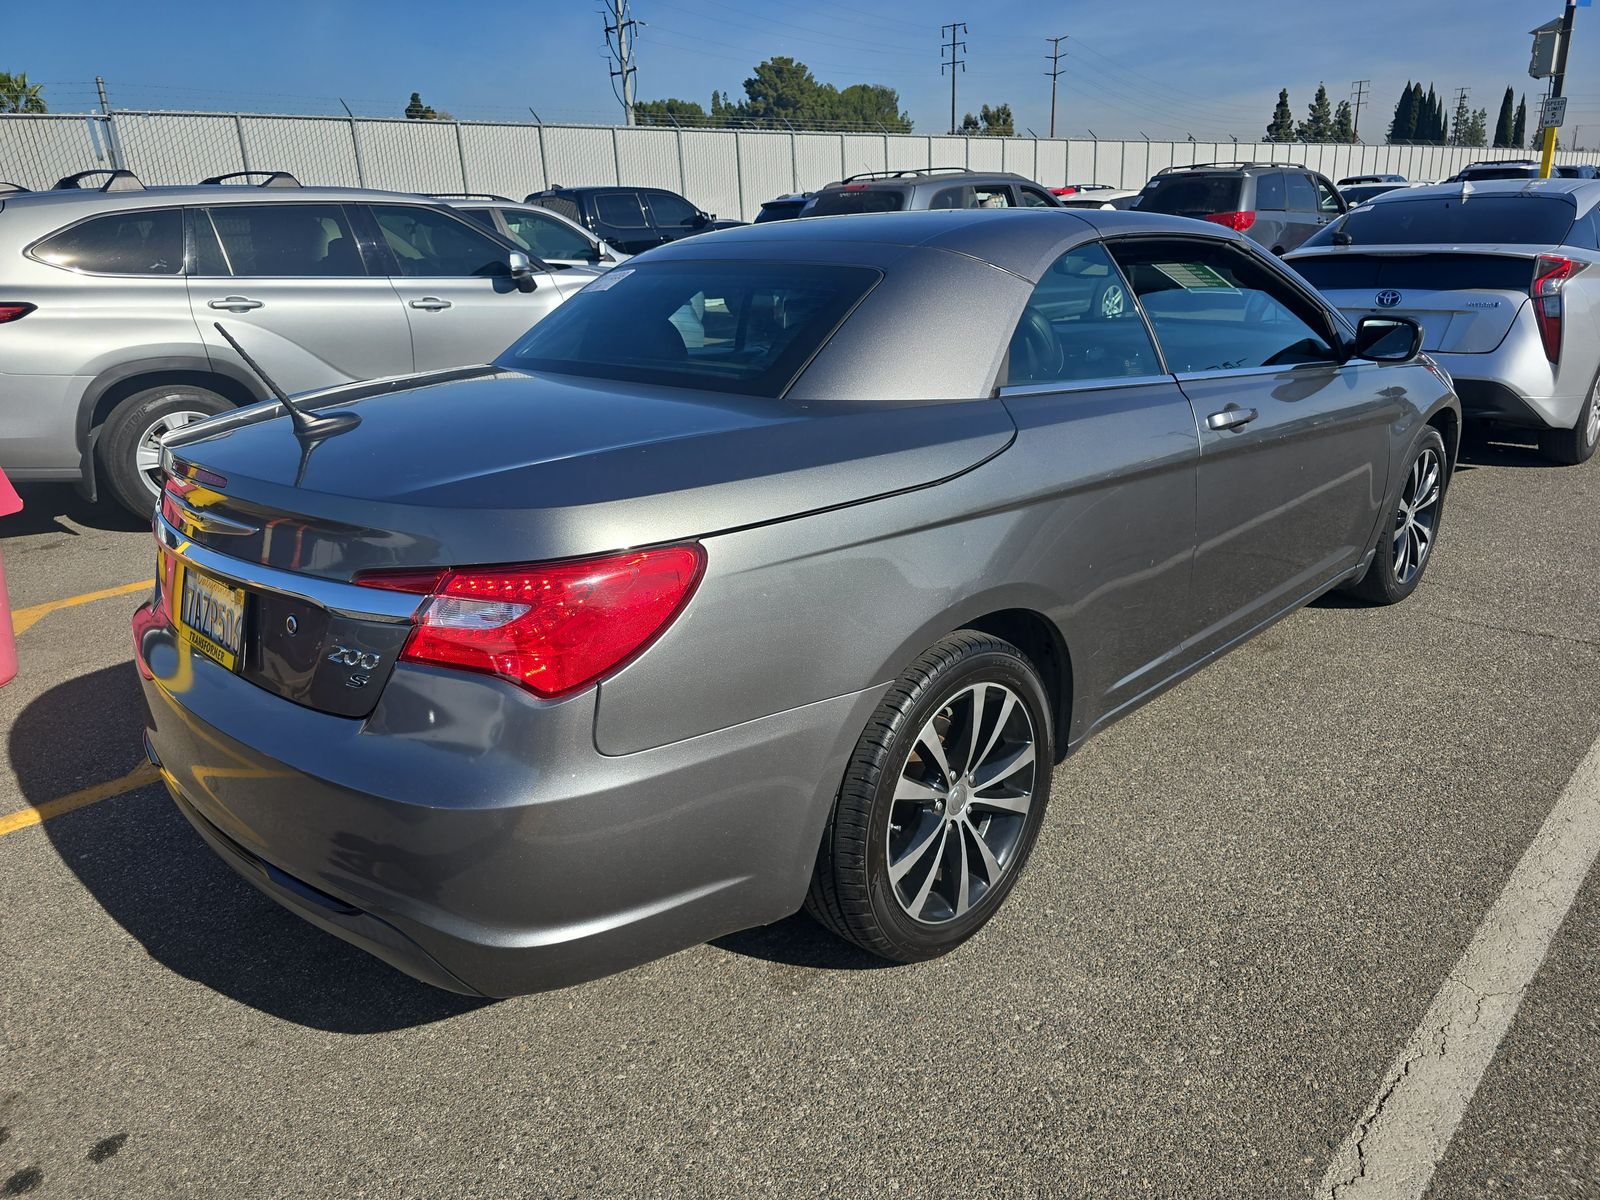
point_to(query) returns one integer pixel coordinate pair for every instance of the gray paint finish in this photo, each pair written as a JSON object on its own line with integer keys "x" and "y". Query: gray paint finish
{"x": 516, "y": 843}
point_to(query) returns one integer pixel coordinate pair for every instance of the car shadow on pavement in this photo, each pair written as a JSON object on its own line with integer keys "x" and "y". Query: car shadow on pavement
{"x": 1520, "y": 451}
{"x": 151, "y": 872}
{"x": 48, "y": 507}
{"x": 798, "y": 941}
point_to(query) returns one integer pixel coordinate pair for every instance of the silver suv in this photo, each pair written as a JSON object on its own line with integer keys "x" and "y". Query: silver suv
{"x": 110, "y": 294}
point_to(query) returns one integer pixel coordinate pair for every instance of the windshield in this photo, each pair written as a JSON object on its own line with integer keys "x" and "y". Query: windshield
{"x": 834, "y": 202}
{"x": 1191, "y": 195}
{"x": 720, "y": 326}
{"x": 1500, "y": 220}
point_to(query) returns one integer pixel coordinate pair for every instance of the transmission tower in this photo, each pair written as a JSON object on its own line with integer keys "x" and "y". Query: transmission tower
{"x": 620, "y": 29}
{"x": 1055, "y": 69}
{"x": 954, "y": 47}
{"x": 1358, "y": 95}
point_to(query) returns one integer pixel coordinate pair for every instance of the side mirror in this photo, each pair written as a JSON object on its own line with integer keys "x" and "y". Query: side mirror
{"x": 522, "y": 273}
{"x": 1387, "y": 339}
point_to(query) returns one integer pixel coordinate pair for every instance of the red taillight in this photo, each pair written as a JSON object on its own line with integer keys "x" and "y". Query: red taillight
{"x": 1550, "y": 275}
{"x": 1239, "y": 221}
{"x": 1064, "y": 191}
{"x": 551, "y": 627}
{"x": 14, "y": 312}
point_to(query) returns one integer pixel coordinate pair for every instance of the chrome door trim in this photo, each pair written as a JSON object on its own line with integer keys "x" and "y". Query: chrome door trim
{"x": 1082, "y": 385}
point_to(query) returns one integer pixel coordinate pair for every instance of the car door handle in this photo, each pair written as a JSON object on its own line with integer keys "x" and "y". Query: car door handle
{"x": 1232, "y": 417}
{"x": 431, "y": 303}
{"x": 236, "y": 304}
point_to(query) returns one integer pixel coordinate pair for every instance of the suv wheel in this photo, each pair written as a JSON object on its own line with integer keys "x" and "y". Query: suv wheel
{"x": 941, "y": 802}
{"x": 1569, "y": 447}
{"x": 130, "y": 447}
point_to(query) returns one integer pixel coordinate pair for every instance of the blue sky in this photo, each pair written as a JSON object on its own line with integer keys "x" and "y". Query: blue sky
{"x": 1166, "y": 68}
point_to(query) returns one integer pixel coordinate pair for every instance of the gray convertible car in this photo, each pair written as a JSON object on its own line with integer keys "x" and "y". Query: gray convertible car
{"x": 779, "y": 567}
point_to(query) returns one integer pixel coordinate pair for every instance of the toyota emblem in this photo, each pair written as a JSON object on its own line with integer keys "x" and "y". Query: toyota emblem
{"x": 1388, "y": 299}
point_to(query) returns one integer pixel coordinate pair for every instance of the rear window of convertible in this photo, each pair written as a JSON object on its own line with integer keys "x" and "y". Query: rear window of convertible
{"x": 744, "y": 327}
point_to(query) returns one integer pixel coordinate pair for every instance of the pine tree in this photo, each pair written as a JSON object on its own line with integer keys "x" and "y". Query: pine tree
{"x": 1433, "y": 130}
{"x": 1504, "y": 133}
{"x": 1407, "y": 115}
{"x": 1519, "y": 125}
{"x": 1344, "y": 129}
{"x": 1318, "y": 125}
{"x": 1282, "y": 127}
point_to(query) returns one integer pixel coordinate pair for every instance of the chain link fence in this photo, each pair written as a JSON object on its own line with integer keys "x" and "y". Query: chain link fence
{"x": 729, "y": 172}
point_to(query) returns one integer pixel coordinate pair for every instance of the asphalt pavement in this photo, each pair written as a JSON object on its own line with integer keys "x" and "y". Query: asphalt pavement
{"x": 1244, "y": 899}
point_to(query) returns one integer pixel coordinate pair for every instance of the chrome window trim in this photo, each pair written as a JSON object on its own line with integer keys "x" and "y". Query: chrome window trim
{"x": 1225, "y": 372}
{"x": 1109, "y": 383}
{"x": 341, "y": 599}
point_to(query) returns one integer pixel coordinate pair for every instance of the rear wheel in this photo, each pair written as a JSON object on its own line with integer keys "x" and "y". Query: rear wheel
{"x": 1405, "y": 546}
{"x": 941, "y": 804}
{"x": 1569, "y": 447}
{"x": 130, "y": 447}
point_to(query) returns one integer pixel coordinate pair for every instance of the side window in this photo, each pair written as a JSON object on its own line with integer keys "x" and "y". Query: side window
{"x": 1034, "y": 198}
{"x": 567, "y": 208}
{"x": 124, "y": 243}
{"x": 281, "y": 240}
{"x": 620, "y": 210}
{"x": 1215, "y": 308}
{"x": 1269, "y": 192}
{"x": 992, "y": 196}
{"x": 1586, "y": 231}
{"x": 1080, "y": 323}
{"x": 428, "y": 243}
{"x": 672, "y": 212}
{"x": 547, "y": 237}
{"x": 478, "y": 216}
{"x": 1302, "y": 196}
{"x": 956, "y": 197}
{"x": 1327, "y": 198}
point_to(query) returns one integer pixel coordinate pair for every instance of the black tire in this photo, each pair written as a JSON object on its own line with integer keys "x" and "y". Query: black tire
{"x": 131, "y": 423}
{"x": 1569, "y": 447}
{"x": 852, "y": 893}
{"x": 1385, "y": 581}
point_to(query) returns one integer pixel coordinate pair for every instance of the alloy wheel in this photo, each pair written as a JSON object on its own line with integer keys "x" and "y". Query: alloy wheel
{"x": 961, "y": 803}
{"x": 1417, "y": 518}
{"x": 1592, "y": 431}
{"x": 147, "y": 454}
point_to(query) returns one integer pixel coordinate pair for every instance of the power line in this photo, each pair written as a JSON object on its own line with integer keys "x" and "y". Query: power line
{"x": 621, "y": 26}
{"x": 1054, "y": 72}
{"x": 1359, "y": 94}
{"x": 955, "y": 48}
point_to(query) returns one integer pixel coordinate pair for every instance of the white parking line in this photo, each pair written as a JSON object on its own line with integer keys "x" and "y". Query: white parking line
{"x": 1394, "y": 1148}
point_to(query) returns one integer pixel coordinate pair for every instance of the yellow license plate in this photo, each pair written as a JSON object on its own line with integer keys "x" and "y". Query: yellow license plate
{"x": 209, "y": 615}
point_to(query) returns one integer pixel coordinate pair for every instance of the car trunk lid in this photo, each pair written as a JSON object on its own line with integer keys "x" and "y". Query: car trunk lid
{"x": 492, "y": 466}
{"x": 1465, "y": 300}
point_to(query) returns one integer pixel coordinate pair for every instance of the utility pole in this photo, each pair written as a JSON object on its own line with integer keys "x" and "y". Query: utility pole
{"x": 1461, "y": 108}
{"x": 621, "y": 25}
{"x": 955, "y": 48}
{"x": 114, "y": 144}
{"x": 1359, "y": 95}
{"x": 1547, "y": 158}
{"x": 1055, "y": 70}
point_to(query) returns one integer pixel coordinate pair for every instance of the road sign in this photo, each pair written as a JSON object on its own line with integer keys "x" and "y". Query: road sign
{"x": 1554, "y": 112}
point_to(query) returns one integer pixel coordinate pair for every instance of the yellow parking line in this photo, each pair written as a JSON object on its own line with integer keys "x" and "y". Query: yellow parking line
{"x": 141, "y": 776}
{"x": 24, "y": 619}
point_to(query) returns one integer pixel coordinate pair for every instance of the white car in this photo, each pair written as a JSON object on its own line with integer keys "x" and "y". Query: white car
{"x": 547, "y": 235}
{"x": 1504, "y": 278}
{"x": 1099, "y": 197}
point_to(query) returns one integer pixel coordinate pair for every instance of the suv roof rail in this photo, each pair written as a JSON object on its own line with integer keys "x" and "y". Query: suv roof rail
{"x": 473, "y": 196}
{"x": 1242, "y": 162}
{"x": 912, "y": 172}
{"x": 116, "y": 181}
{"x": 7, "y": 188}
{"x": 269, "y": 179}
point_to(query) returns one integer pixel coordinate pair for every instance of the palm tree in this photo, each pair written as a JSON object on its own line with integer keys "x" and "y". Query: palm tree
{"x": 17, "y": 95}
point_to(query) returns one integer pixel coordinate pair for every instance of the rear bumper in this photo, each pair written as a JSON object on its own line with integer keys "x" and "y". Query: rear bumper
{"x": 1516, "y": 384}
{"x": 475, "y": 838}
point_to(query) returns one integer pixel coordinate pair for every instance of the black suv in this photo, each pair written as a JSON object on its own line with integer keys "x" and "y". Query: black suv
{"x": 633, "y": 219}
{"x": 1279, "y": 205}
{"x": 928, "y": 187}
